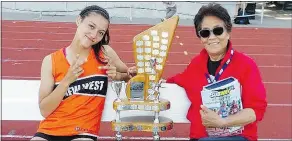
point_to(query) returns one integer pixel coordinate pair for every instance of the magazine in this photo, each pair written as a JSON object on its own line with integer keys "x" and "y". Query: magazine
{"x": 224, "y": 98}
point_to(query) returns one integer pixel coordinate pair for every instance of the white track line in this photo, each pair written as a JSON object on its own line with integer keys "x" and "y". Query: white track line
{"x": 29, "y": 48}
{"x": 10, "y": 60}
{"x": 131, "y": 138}
{"x": 38, "y": 40}
{"x": 270, "y": 54}
{"x": 125, "y": 42}
{"x": 131, "y": 63}
{"x": 41, "y": 32}
{"x": 251, "y": 54}
{"x": 278, "y": 83}
{"x": 129, "y": 51}
{"x": 24, "y": 77}
{"x": 280, "y": 105}
{"x": 143, "y": 26}
{"x": 19, "y": 77}
{"x": 175, "y": 52}
{"x": 3, "y": 27}
{"x": 198, "y": 44}
{"x": 126, "y": 51}
{"x": 70, "y": 33}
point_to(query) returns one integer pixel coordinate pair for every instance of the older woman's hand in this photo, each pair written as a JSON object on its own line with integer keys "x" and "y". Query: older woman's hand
{"x": 211, "y": 118}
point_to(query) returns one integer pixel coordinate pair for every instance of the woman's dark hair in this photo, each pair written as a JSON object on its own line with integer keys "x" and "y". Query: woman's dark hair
{"x": 212, "y": 9}
{"x": 106, "y": 38}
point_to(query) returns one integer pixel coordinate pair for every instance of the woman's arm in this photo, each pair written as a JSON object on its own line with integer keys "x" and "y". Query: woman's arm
{"x": 50, "y": 99}
{"x": 242, "y": 118}
{"x": 121, "y": 67}
{"x": 212, "y": 119}
{"x": 254, "y": 92}
{"x": 184, "y": 77}
{"x": 253, "y": 99}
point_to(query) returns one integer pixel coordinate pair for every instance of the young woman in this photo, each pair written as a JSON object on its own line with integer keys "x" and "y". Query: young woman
{"x": 74, "y": 80}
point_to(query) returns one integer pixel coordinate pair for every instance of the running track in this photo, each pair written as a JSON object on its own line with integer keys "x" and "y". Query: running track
{"x": 25, "y": 43}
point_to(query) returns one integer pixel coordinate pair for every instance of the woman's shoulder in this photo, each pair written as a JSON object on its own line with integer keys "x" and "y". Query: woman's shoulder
{"x": 195, "y": 63}
{"x": 53, "y": 56}
{"x": 244, "y": 59}
{"x": 47, "y": 58}
{"x": 109, "y": 51}
{"x": 200, "y": 58}
{"x": 108, "y": 48}
{"x": 58, "y": 52}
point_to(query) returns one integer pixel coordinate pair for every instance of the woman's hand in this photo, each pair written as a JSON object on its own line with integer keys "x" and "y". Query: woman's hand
{"x": 211, "y": 118}
{"x": 74, "y": 71}
{"x": 111, "y": 70}
{"x": 132, "y": 71}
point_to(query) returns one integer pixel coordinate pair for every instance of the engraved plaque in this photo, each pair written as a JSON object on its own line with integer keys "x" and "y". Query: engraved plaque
{"x": 137, "y": 90}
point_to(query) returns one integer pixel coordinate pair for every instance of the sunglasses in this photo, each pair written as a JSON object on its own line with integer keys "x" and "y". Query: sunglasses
{"x": 205, "y": 33}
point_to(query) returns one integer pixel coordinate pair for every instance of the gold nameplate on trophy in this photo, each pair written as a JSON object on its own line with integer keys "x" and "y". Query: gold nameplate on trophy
{"x": 150, "y": 49}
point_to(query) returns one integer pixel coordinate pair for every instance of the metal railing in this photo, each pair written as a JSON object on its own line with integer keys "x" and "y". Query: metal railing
{"x": 243, "y": 6}
{"x": 131, "y": 8}
{"x": 66, "y": 11}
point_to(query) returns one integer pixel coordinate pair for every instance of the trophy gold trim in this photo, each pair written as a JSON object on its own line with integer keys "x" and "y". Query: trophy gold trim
{"x": 152, "y": 44}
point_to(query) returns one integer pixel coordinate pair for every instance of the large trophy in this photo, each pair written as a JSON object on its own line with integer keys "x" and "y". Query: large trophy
{"x": 150, "y": 53}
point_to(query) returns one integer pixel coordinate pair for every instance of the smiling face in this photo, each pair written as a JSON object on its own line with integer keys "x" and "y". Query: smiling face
{"x": 214, "y": 44}
{"x": 91, "y": 29}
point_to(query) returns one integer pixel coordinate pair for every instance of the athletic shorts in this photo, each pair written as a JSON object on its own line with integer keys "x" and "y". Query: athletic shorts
{"x": 63, "y": 138}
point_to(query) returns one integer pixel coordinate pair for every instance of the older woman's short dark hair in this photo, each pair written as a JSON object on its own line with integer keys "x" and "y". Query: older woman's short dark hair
{"x": 212, "y": 9}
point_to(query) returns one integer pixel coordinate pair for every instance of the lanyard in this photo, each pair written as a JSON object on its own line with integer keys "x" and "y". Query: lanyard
{"x": 221, "y": 70}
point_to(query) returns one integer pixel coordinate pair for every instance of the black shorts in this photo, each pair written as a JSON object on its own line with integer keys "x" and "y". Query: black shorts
{"x": 63, "y": 138}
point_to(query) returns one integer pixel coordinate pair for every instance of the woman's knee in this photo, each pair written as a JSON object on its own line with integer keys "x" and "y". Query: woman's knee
{"x": 38, "y": 139}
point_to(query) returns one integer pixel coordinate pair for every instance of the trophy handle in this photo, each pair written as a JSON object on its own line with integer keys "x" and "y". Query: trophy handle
{"x": 118, "y": 91}
{"x": 113, "y": 86}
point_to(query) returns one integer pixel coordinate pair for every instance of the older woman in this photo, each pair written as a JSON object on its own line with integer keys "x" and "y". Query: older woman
{"x": 218, "y": 60}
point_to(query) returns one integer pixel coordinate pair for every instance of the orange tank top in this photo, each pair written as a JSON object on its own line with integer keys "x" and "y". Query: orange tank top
{"x": 81, "y": 109}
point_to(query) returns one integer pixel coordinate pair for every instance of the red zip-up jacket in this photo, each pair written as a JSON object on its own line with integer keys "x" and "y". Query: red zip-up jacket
{"x": 241, "y": 67}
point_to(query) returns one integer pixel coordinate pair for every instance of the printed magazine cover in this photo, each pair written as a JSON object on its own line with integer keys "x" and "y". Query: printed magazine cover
{"x": 224, "y": 98}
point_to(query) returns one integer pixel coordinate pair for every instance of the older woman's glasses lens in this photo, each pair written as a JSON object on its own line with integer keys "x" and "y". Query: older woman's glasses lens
{"x": 205, "y": 33}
